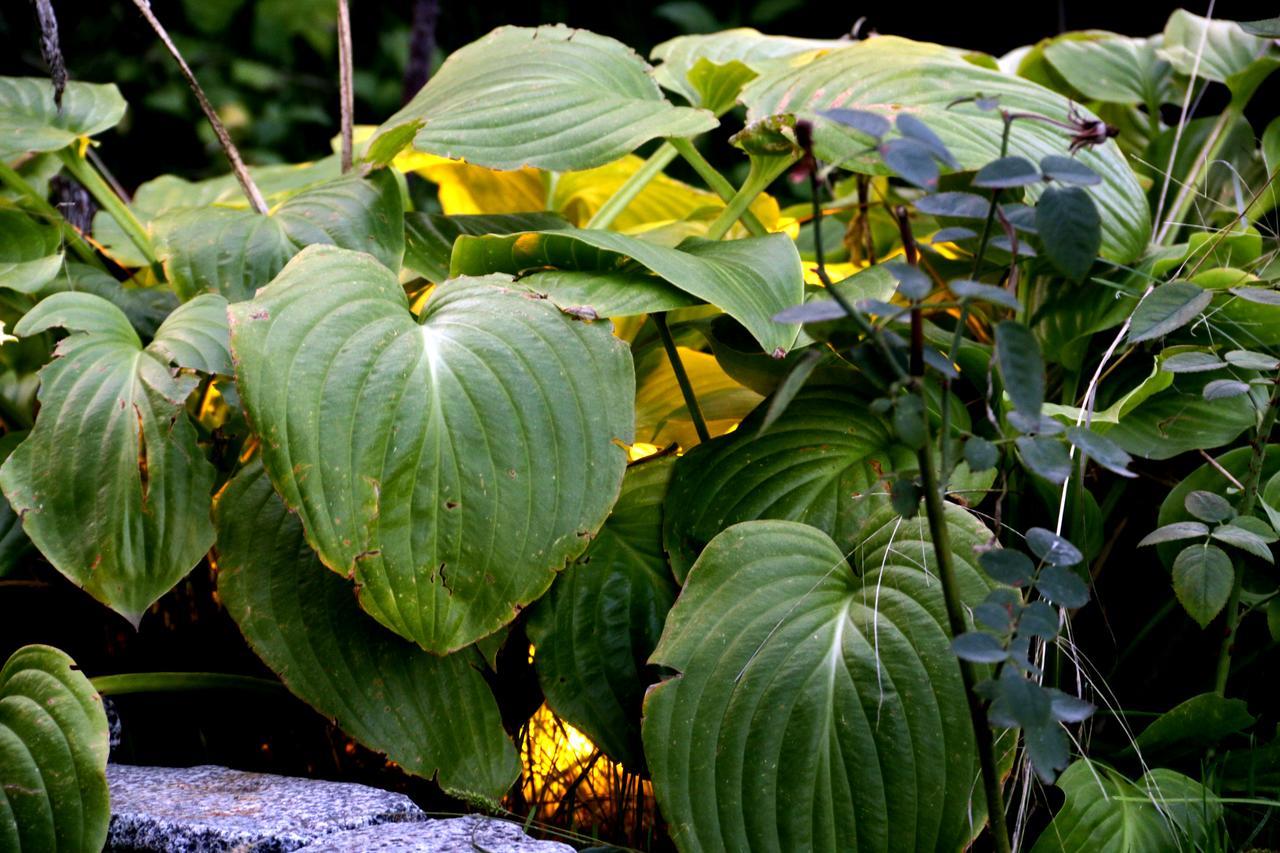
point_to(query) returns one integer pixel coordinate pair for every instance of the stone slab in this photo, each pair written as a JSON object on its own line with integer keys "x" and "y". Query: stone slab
{"x": 210, "y": 809}
{"x": 455, "y": 835}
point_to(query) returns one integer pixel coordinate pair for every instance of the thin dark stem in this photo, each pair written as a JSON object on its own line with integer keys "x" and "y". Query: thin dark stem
{"x": 682, "y": 378}
{"x": 935, "y": 510}
{"x": 1248, "y": 498}
{"x": 251, "y": 190}
{"x": 346, "y": 91}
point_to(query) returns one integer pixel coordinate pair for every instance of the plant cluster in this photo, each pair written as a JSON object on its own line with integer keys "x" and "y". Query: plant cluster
{"x": 797, "y": 506}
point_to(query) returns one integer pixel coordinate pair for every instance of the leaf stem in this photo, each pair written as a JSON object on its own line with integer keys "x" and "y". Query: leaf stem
{"x": 251, "y": 191}
{"x": 682, "y": 378}
{"x": 179, "y": 682}
{"x": 632, "y": 186}
{"x": 764, "y": 170}
{"x": 1248, "y": 498}
{"x": 106, "y": 197}
{"x": 718, "y": 183}
{"x": 40, "y": 205}
{"x": 935, "y": 511}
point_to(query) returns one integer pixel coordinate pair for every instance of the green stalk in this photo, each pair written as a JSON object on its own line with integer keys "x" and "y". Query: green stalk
{"x": 682, "y": 378}
{"x": 718, "y": 183}
{"x": 39, "y": 204}
{"x": 107, "y": 199}
{"x": 632, "y": 186}
{"x": 1248, "y": 498}
{"x": 935, "y": 511}
{"x": 763, "y": 173}
{"x": 180, "y": 682}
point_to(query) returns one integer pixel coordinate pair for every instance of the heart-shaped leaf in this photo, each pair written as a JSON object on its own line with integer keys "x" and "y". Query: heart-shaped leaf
{"x": 30, "y": 251}
{"x": 1107, "y": 813}
{"x": 551, "y": 97}
{"x": 434, "y": 716}
{"x": 234, "y": 252}
{"x": 751, "y": 280}
{"x": 818, "y": 705}
{"x": 53, "y": 756}
{"x": 110, "y": 484}
{"x": 31, "y": 121}
{"x": 820, "y": 462}
{"x": 596, "y": 627}
{"x": 889, "y": 75}
{"x": 451, "y": 463}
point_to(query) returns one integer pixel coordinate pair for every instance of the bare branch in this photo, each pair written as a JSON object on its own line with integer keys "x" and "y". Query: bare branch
{"x": 346, "y": 91}
{"x": 251, "y": 191}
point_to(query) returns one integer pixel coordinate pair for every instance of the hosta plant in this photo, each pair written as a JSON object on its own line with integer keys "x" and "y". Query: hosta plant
{"x": 795, "y": 490}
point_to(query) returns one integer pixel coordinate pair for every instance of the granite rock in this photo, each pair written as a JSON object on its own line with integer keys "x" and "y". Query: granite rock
{"x": 455, "y": 835}
{"x": 211, "y": 809}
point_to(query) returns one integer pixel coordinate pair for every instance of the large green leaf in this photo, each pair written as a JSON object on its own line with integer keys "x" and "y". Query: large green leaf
{"x": 53, "y": 756}
{"x": 552, "y": 97}
{"x": 1218, "y": 50}
{"x": 595, "y": 629}
{"x": 146, "y": 307}
{"x": 688, "y": 62}
{"x": 434, "y": 716}
{"x": 170, "y": 192}
{"x": 1179, "y": 419}
{"x": 889, "y": 75}
{"x": 450, "y": 464}
{"x": 30, "y": 251}
{"x": 1112, "y": 68}
{"x": 30, "y": 121}
{"x": 110, "y": 484}
{"x": 1107, "y": 813}
{"x": 429, "y": 237}
{"x": 234, "y": 252}
{"x": 818, "y": 704}
{"x": 821, "y": 462}
{"x": 751, "y": 280}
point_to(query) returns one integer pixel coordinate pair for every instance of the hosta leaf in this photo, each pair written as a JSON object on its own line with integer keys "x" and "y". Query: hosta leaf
{"x": 1107, "y": 813}
{"x": 819, "y": 463}
{"x": 750, "y": 48}
{"x": 1202, "y": 578}
{"x": 816, "y": 707}
{"x": 1195, "y": 724}
{"x": 890, "y": 75}
{"x": 53, "y": 755}
{"x": 551, "y": 97}
{"x": 751, "y": 280}
{"x": 234, "y": 252}
{"x": 1069, "y": 229}
{"x": 30, "y": 251}
{"x": 1179, "y": 419}
{"x": 595, "y": 629}
{"x": 1166, "y": 309}
{"x": 434, "y": 716}
{"x": 450, "y": 464}
{"x": 170, "y": 192}
{"x": 1220, "y": 51}
{"x": 195, "y": 336}
{"x": 146, "y": 307}
{"x": 1112, "y": 68}
{"x": 110, "y": 484}
{"x": 429, "y": 237}
{"x": 30, "y": 121}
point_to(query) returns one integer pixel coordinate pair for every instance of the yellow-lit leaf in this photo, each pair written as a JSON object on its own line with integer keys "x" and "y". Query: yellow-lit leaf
{"x": 661, "y": 415}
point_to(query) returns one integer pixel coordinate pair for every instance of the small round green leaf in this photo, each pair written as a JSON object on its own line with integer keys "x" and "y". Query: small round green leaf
{"x": 1207, "y": 506}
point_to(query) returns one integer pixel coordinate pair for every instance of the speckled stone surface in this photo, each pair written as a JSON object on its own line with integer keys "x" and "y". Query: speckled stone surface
{"x": 455, "y": 835}
{"x": 212, "y": 809}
